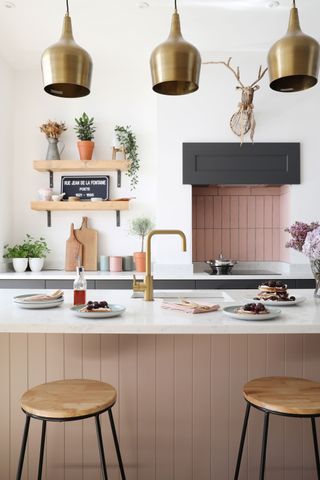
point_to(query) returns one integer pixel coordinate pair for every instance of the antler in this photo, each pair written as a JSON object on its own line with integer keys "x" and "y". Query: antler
{"x": 227, "y": 64}
{"x": 260, "y": 76}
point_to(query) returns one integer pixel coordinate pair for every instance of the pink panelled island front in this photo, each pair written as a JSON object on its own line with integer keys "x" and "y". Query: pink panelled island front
{"x": 180, "y": 408}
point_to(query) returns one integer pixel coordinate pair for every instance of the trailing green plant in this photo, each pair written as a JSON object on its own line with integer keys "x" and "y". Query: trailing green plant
{"x": 30, "y": 248}
{"x": 127, "y": 139}
{"x": 141, "y": 226}
{"x": 85, "y": 127}
{"x": 36, "y": 248}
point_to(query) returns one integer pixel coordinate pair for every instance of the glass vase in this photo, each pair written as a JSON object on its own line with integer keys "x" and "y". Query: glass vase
{"x": 315, "y": 267}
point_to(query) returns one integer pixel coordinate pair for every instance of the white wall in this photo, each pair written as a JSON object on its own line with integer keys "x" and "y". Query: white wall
{"x": 204, "y": 117}
{"x": 6, "y": 155}
{"x": 116, "y": 98}
{"x": 162, "y": 124}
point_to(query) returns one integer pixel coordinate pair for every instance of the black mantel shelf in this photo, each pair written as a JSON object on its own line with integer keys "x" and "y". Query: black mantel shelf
{"x": 246, "y": 164}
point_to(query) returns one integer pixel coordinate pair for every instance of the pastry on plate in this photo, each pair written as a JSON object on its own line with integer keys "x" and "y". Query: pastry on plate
{"x": 93, "y": 307}
{"x": 274, "y": 291}
{"x": 252, "y": 309}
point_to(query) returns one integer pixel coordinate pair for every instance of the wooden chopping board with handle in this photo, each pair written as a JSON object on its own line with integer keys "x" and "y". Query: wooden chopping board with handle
{"x": 73, "y": 252}
{"x": 88, "y": 237}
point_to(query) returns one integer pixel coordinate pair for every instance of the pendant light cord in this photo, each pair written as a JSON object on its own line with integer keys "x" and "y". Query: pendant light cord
{"x": 175, "y": 5}
{"x": 294, "y": 3}
{"x": 67, "y": 3}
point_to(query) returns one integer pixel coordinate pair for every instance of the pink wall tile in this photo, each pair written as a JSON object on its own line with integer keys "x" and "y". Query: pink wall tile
{"x": 251, "y": 212}
{"x": 268, "y": 203}
{"x": 243, "y": 244}
{"x": 234, "y": 243}
{"x": 268, "y": 244}
{"x": 234, "y": 212}
{"x": 200, "y": 211}
{"x": 217, "y": 212}
{"x": 243, "y": 212}
{"x": 208, "y": 212}
{"x": 217, "y": 242}
{"x": 226, "y": 212}
{"x": 259, "y": 212}
{"x": 225, "y": 242}
{"x": 251, "y": 244}
{"x": 245, "y": 223}
{"x": 259, "y": 244}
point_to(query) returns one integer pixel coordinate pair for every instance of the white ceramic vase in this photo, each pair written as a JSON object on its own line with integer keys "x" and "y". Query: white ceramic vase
{"x": 20, "y": 264}
{"x": 36, "y": 264}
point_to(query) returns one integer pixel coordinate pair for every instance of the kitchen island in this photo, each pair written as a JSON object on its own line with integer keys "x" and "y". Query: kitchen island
{"x": 179, "y": 378}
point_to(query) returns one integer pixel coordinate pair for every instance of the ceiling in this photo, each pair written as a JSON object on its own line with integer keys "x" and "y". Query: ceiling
{"x": 123, "y": 33}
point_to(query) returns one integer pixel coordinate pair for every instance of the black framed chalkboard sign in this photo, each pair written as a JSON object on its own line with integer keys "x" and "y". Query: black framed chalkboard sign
{"x": 85, "y": 187}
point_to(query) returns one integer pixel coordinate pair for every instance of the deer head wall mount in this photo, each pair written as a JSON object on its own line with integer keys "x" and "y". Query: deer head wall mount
{"x": 243, "y": 120}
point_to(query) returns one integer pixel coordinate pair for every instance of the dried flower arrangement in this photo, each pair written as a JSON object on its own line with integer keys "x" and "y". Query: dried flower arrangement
{"x": 53, "y": 129}
{"x": 299, "y": 232}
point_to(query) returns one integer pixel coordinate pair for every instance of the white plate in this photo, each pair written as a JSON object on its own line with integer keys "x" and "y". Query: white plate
{"x": 230, "y": 311}
{"x": 115, "y": 311}
{"x": 20, "y": 299}
{"x": 274, "y": 303}
{"x": 39, "y": 306}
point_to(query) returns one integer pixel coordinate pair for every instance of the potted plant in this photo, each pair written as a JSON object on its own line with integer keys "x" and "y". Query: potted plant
{"x": 19, "y": 256}
{"x": 37, "y": 251}
{"x": 140, "y": 226}
{"x": 53, "y": 130}
{"x": 128, "y": 141}
{"x": 85, "y": 130}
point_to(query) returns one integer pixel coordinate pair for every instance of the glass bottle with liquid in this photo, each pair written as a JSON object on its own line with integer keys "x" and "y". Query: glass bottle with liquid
{"x": 79, "y": 288}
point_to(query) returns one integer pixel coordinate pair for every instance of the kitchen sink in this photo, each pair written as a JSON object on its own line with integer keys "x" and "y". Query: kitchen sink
{"x": 214, "y": 295}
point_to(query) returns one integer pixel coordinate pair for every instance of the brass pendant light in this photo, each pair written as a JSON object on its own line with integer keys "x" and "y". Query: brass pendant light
{"x": 294, "y": 59}
{"x": 175, "y": 64}
{"x": 66, "y": 67}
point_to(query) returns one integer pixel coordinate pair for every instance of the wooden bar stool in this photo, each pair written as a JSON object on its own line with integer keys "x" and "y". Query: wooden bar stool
{"x": 67, "y": 401}
{"x": 286, "y": 396}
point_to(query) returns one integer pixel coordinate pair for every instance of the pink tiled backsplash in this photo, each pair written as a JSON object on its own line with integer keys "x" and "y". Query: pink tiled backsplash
{"x": 245, "y": 223}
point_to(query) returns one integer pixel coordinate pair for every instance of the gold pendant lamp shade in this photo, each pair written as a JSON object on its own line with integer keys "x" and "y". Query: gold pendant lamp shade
{"x": 66, "y": 67}
{"x": 175, "y": 64}
{"x": 294, "y": 59}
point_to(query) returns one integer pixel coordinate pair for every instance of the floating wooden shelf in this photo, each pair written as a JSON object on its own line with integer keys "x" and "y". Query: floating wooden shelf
{"x": 80, "y": 165}
{"x": 108, "y": 205}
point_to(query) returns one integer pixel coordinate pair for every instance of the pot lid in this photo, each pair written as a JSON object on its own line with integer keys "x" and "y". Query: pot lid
{"x": 223, "y": 261}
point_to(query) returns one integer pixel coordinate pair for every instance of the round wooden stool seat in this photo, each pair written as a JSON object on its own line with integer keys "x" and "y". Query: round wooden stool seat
{"x": 287, "y": 395}
{"x": 68, "y": 398}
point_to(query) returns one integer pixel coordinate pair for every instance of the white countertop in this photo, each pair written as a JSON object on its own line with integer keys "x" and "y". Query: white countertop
{"x": 62, "y": 275}
{"x": 149, "y": 318}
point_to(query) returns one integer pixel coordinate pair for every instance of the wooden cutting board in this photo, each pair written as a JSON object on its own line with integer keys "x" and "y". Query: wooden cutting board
{"x": 73, "y": 252}
{"x": 88, "y": 237}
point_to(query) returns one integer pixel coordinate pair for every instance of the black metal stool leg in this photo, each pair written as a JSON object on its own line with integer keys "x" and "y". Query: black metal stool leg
{"x": 242, "y": 440}
{"x": 23, "y": 447}
{"x": 315, "y": 444}
{"x": 116, "y": 444}
{"x": 43, "y": 439}
{"x": 101, "y": 449}
{"x": 264, "y": 445}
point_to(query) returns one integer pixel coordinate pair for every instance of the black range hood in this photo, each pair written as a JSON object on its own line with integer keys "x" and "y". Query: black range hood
{"x": 246, "y": 164}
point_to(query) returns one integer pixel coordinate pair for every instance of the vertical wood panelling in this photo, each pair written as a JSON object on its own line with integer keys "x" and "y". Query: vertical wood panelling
{"x": 110, "y": 374}
{"x": 201, "y": 404}
{"x": 128, "y": 402}
{"x": 73, "y": 368}
{"x": 36, "y": 376}
{"x": 55, "y": 431}
{"x": 18, "y": 384}
{"x": 165, "y": 412}
{"x": 220, "y": 394}
{"x": 146, "y": 407}
{"x": 183, "y": 402}
{"x": 5, "y": 406}
{"x": 180, "y": 408}
{"x": 91, "y": 369}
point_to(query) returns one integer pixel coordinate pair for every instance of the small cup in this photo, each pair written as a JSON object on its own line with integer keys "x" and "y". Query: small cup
{"x": 127, "y": 263}
{"x": 115, "y": 264}
{"x": 104, "y": 263}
